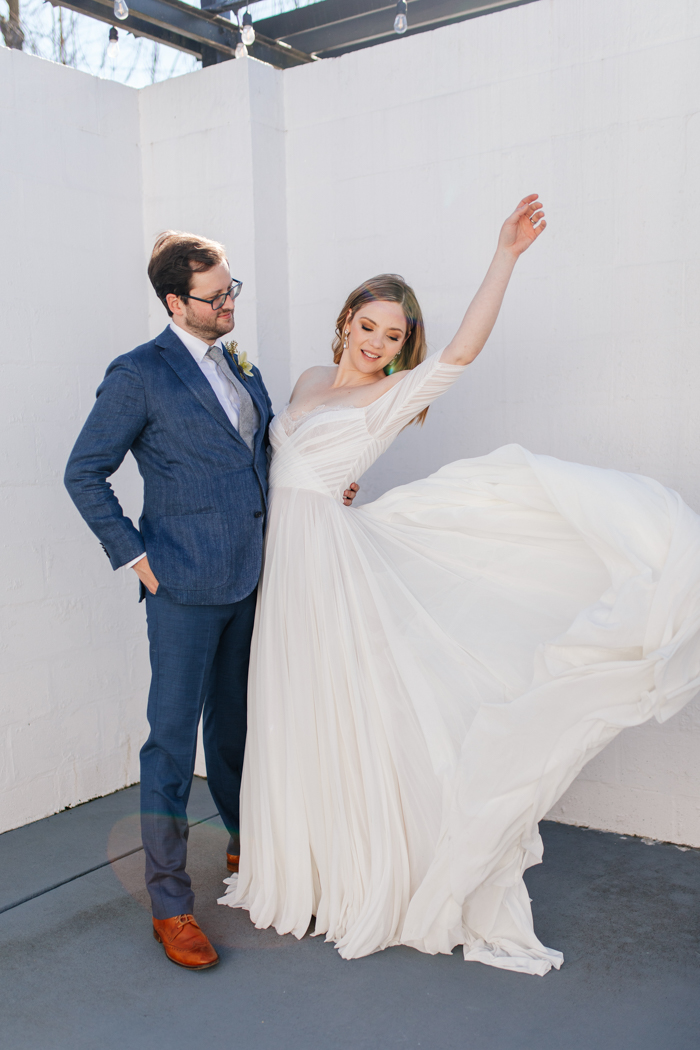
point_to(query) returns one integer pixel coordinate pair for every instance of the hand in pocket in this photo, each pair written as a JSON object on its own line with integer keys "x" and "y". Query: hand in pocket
{"x": 145, "y": 574}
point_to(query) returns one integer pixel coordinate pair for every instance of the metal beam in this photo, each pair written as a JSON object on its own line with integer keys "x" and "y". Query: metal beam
{"x": 276, "y": 54}
{"x": 319, "y": 15}
{"x": 228, "y": 5}
{"x": 392, "y": 37}
{"x": 326, "y": 28}
{"x": 136, "y": 26}
{"x": 189, "y": 21}
{"x": 187, "y": 28}
{"x": 331, "y": 27}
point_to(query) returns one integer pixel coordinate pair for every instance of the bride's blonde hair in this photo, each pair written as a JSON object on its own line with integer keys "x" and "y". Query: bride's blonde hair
{"x": 388, "y": 287}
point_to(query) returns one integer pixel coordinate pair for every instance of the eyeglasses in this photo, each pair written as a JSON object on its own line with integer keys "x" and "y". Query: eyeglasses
{"x": 234, "y": 290}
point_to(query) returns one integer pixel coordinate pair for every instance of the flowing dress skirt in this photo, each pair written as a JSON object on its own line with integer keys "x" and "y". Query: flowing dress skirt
{"x": 430, "y": 672}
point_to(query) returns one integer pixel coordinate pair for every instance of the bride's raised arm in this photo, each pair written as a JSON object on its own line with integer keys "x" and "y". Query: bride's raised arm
{"x": 517, "y": 234}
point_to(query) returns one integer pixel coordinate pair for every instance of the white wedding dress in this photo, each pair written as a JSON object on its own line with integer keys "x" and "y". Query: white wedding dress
{"x": 429, "y": 673}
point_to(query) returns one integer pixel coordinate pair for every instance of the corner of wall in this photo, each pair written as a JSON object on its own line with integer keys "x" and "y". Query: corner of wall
{"x": 269, "y": 180}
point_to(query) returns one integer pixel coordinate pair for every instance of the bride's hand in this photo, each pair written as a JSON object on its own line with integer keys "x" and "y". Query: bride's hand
{"x": 350, "y": 493}
{"x": 522, "y": 227}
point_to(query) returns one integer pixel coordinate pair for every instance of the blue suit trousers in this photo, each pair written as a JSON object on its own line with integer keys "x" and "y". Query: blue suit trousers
{"x": 199, "y": 662}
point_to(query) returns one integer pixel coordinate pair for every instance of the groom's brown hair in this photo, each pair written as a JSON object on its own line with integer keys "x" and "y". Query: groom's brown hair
{"x": 175, "y": 257}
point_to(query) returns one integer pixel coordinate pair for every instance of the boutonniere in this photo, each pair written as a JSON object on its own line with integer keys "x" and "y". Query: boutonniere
{"x": 239, "y": 358}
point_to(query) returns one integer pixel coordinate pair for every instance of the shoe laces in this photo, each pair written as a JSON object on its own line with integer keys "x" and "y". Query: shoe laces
{"x": 184, "y": 920}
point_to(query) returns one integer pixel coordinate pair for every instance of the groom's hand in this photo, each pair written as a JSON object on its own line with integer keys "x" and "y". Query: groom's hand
{"x": 145, "y": 574}
{"x": 349, "y": 494}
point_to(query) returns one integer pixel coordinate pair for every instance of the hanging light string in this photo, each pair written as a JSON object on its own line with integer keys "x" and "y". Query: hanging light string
{"x": 113, "y": 45}
{"x": 247, "y": 32}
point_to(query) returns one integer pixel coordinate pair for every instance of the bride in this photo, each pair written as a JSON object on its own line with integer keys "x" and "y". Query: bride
{"x": 431, "y": 671}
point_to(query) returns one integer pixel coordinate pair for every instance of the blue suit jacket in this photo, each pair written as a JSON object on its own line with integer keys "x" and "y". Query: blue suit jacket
{"x": 205, "y": 492}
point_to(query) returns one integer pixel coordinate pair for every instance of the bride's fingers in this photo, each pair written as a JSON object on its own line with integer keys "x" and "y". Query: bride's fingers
{"x": 536, "y": 216}
{"x": 527, "y": 200}
{"x": 537, "y": 230}
{"x": 526, "y": 208}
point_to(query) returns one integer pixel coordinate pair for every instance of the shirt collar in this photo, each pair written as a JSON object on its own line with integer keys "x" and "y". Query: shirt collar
{"x": 197, "y": 347}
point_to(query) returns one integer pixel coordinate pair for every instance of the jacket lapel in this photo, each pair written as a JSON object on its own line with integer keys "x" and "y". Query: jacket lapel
{"x": 176, "y": 354}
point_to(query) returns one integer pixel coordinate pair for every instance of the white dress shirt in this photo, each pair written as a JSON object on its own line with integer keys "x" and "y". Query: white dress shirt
{"x": 226, "y": 393}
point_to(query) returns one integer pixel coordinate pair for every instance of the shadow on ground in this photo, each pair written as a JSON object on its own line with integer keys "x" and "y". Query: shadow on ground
{"x": 81, "y": 971}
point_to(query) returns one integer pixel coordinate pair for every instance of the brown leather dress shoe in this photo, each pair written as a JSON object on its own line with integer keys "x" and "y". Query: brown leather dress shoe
{"x": 232, "y": 862}
{"x": 184, "y": 942}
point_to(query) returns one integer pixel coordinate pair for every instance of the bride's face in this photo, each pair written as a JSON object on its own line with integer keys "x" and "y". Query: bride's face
{"x": 375, "y": 335}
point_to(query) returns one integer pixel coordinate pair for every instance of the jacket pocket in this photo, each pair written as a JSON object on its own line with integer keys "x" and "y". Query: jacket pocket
{"x": 189, "y": 551}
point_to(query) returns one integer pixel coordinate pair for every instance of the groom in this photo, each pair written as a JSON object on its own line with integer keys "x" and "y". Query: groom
{"x": 195, "y": 416}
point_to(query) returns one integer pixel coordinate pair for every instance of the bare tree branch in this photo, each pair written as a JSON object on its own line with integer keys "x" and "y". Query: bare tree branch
{"x": 11, "y": 28}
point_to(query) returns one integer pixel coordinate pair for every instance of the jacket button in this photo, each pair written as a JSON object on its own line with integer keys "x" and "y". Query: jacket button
{"x": 258, "y": 514}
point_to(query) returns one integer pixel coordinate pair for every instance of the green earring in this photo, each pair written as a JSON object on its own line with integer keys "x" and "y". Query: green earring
{"x": 393, "y": 365}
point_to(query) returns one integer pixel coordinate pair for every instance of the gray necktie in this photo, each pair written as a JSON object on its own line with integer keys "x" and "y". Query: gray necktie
{"x": 248, "y": 419}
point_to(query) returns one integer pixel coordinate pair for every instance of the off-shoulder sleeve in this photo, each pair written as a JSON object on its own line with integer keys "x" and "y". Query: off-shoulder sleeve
{"x": 414, "y": 391}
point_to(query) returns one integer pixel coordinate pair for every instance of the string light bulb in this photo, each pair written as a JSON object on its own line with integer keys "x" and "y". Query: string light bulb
{"x": 121, "y": 9}
{"x": 241, "y": 50}
{"x": 113, "y": 46}
{"x": 247, "y": 32}
{"x": 401, "y": 21}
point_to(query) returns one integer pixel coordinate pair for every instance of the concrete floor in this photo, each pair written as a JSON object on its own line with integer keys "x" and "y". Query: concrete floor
{"x": 80, "y": 969}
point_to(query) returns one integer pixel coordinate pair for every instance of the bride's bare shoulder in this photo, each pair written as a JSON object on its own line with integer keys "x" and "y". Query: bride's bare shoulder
{"x": 314, "y": 376}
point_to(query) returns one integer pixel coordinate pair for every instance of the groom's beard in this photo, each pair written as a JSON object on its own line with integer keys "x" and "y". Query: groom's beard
{"x": 220, "y": 324}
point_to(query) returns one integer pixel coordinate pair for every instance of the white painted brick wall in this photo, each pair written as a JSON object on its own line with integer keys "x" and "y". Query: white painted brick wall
{"x": 403, "y": 157}
{"x": 214, "y": 164}
{"x": 73, "y": 661}
{"x": 406, "y": 157}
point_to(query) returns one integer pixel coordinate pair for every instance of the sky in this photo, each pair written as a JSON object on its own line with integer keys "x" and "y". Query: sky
{"x": 64, "y": 36}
